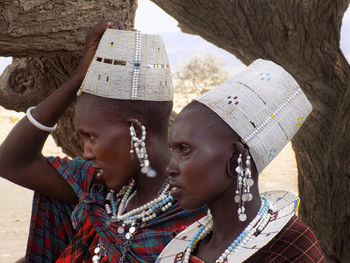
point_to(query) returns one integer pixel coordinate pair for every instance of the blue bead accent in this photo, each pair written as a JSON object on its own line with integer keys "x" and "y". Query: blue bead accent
{"x": 114, "y": 207}
{"x": 137, "y": 64}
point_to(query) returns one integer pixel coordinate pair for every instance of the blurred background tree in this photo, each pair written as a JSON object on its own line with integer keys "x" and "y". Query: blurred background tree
{"x": 197, "y": 75}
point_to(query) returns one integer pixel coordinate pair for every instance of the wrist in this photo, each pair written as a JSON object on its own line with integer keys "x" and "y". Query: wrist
{"x": 78, "y": 76}
{"x": 79, "y": 72}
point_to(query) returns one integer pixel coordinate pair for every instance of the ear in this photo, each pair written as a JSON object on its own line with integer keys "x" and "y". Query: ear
{"x": 237, "y": 149}
{"x": 134, "y": 121}
{"x": 137, "y": 125}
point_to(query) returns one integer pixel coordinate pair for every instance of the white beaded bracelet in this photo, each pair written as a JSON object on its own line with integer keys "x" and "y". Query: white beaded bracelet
{"x": 38, "y": 124}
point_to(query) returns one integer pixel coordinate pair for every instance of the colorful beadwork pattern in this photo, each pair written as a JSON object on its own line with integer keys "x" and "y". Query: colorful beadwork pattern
{"x": 265, "y": 76}
{"x": 137, "y": 63}
{"x": 267, "y": 108}
{"x": 129, "y": 65}
{"x": 233, "y": 100}
{"x": 284, "y": 207}
{"x": 272, "y": 153}
{"x": 300, "y": 121}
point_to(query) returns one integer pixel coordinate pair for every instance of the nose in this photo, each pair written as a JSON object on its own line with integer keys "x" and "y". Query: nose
{"x": 88, "y": 153}
{"x": 172, "y": 169}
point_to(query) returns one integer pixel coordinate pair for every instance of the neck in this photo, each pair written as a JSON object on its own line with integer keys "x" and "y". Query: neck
{"x": 226, "y": 225}
{"x": 148, "y": 188}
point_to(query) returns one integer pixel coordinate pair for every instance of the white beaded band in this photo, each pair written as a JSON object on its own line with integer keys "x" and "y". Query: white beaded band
{"x": 266, "y": 121}
{"x": 137, "y": 63}
{"x": 38, "y": 124}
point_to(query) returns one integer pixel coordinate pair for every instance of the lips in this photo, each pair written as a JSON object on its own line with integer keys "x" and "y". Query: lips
{"x": 175, "y": 189}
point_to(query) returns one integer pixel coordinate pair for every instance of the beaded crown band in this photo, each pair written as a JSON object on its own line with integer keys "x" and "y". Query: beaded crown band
{"x": 129, "y": 65}
{"x": 264, "y": 105}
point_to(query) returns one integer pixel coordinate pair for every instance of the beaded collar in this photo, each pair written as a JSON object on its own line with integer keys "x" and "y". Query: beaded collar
{"x": 284, "y": 205}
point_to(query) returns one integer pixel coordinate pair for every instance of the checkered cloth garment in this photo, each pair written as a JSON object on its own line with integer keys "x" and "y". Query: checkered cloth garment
{"x": 294, "y": 243}
{"x": 63, "y": 234}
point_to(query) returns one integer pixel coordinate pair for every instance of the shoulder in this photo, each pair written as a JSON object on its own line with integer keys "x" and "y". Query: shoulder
{"x": 286, "y": 238}
{"x": 296, "y": 230}
{"x": 77, "y": 172}
{"x": 296, "y": 242}
{"x": 69, "y": 164}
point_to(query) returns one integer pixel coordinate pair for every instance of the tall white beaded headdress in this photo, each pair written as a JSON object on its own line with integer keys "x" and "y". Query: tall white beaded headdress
{"x": 264, "y": 105}
{"x": 129, "y": 65}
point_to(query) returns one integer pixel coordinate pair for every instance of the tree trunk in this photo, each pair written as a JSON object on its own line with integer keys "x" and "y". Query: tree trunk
{"x": 45, "y": 27}
{"x": 28, "y": 81}
{"x": 303, "y": 37}
{"x": 46, "y": 38}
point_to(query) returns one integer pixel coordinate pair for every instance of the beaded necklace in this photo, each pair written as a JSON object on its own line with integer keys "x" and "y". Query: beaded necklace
{"x": 134, "y": 219}
{"x": 252, "y": 230}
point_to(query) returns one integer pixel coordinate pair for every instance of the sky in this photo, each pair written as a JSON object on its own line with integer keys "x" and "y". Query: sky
{"x": 153, "y": 20}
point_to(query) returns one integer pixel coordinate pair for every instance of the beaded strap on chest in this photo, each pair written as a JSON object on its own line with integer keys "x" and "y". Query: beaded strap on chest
{"x": 253, "y": 229}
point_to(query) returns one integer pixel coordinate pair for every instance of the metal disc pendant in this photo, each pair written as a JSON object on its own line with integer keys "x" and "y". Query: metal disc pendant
{"x": 237, "y": 198}
{"x": 128, "y": 236}
{"x": 120, "y": 230}
{"x": 250, "y": 182}
{"x": 132, "y": 230}
{"x": 242, "y": 217}
{"x": 145, "y": 169}
{"x": 151, "y": 173}
{"x": 97, "y": 250}
{"x": 250, "y": 197}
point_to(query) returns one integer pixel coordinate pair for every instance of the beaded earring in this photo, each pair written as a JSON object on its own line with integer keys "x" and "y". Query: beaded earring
{"x": 140, "y": 149}
{"x": 244, "y": 182}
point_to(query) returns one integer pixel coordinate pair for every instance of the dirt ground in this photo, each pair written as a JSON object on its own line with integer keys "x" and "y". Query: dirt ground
{"x": 15, "y": 204}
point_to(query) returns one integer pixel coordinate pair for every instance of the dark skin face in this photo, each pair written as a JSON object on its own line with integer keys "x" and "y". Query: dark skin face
{"x": 200, "y": 152}
{"x": 202, "y": 168}
{"x": 106, "y": 142}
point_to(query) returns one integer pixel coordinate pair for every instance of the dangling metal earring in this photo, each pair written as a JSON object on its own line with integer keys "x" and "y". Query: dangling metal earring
{"x": 239, "y": 190}
{"x": 131, "y": 148}
{"x": 140, "y": 149}
{"x": 244, "y": 182}
{"x": 247, "y": 181}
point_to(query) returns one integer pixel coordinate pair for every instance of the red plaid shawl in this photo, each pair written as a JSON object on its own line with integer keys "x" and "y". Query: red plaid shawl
{"x": 294, "y": 243}
{"x": 52, "y": 234}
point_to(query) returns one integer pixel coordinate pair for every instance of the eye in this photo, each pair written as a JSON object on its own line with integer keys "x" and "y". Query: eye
{"x": 184, "y": 148}
{"x": 88, "y": 137}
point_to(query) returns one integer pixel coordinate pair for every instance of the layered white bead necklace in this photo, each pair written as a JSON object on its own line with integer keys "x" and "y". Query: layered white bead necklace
{"x": 252, "y": 230}
{"x": 141, "y": 214}
{"x": 134, "y": 219}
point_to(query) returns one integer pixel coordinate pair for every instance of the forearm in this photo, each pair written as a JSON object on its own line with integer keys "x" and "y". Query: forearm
{"x": 49, "y": 110}
{"x": 24, "y": 143}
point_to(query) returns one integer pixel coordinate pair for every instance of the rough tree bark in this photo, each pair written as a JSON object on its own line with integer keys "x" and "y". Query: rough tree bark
{"x": 303, "y": 37}
{"x": 44, "y": 27}
{"x": 45, "y": 38}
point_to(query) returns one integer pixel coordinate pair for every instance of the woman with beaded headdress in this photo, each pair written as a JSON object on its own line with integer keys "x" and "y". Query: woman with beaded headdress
{"x": 220, "y": 143}
{"x": 123, "y": 211}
